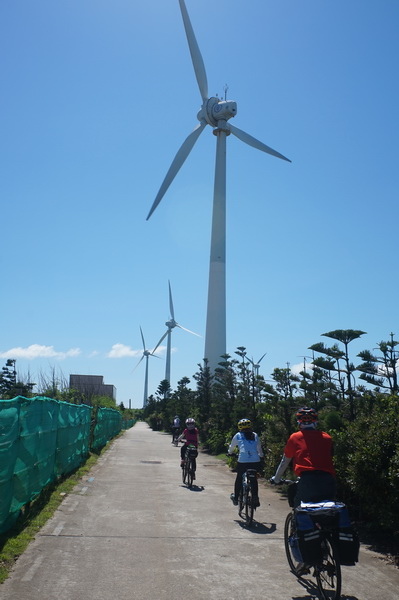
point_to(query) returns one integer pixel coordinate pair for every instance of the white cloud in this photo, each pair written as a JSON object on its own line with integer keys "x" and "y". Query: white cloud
{"x": 296, "y": 369}
{"x": 122, "y": 351}
{"x": 162, "y": 349}
{"x": 38, "y": 351}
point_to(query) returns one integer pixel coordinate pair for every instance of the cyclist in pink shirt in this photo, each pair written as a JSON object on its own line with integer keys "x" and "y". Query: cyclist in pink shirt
{"x": 190, "y": 436}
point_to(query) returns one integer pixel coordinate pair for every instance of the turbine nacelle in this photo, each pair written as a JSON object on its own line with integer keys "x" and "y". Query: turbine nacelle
{"x": 214, "y": 110}
{"x": 171, "y": 324}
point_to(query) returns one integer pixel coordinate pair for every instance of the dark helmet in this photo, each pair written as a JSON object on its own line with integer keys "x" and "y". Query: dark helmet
{"x": 306, "y": 416}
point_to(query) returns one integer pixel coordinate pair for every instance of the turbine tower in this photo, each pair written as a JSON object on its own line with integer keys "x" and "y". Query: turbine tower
{"x": 146, "y": 355}
{"x": 216, "y": 113}
{"x": 171, "y": 324}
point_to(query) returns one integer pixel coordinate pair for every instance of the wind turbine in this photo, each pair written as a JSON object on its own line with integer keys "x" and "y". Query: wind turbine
{"x": 146, "y": 355}
{"x": 171, "y": 324}
{"x": 216, "y": 113}
{"x": 257, "y": 364}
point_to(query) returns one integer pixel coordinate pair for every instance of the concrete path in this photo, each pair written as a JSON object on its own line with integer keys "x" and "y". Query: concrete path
{"x": 131, "y": 530}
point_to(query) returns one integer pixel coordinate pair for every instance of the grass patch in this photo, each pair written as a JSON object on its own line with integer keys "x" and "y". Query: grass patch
{"x": 222, "y": 456}
{"x": 36, "y": 514}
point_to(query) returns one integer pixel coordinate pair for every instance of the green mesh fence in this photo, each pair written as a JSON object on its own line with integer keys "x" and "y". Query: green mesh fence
{"x": 9, "y": 432}
{"x": 42, "y": 439}
{"x": 73, "y": 436}
{"x": 108, "y": 425}
{"x": 128, "y": 423}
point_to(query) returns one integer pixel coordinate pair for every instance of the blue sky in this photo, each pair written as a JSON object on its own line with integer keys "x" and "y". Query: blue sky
{"x": 97, "y": 97}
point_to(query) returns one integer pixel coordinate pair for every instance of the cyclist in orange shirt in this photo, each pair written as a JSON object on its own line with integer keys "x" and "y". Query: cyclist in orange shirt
{"x": 311, "y": 452}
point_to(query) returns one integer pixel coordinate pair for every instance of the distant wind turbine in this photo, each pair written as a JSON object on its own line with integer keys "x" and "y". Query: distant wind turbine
{"x": 171, "y": 324}
{"x": 146, "y": 355}
{"x": 216, "y": 113}
{"x": 256, "y": 365}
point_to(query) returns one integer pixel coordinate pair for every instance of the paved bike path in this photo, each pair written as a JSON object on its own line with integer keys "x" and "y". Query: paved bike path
{"x": 131, "y": 530}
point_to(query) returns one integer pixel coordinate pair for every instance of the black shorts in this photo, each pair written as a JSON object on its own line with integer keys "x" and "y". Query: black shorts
{"x": 315, "y": 486}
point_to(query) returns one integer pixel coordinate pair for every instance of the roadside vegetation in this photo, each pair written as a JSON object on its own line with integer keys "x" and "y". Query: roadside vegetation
{"x": 357, "y": 404}
{"x": 54, "y": 385}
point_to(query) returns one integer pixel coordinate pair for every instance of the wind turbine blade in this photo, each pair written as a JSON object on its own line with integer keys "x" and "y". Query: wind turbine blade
{"x": 251, "y": 141}
{"x": 138, "y": 363}
{"x": 160, "y": 341}
{"x": 189, "y": 331}
{"x": 196, "y": 57}
{"x": 262, "y": 357}
{"x": 172, "y": 312}
{"x": 177, "y": 163}
{"x": 142, "y": 337}
{"x": 251, "y": 361}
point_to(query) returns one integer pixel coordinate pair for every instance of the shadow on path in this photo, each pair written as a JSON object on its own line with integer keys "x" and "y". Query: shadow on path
{"x": 256, "y": 527}
{"x": 194, "y": 488}
{"x": 313, "y": 591}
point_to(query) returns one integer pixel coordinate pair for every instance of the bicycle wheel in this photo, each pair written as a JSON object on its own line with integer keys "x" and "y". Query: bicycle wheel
{"x": 290, "y": 539}
{"x": 249, "y": 506}
{"x": 240, "y": 504}
{"x": 328, "y": 573}
{"x": 190, "y": 474}
{"x": 184, "y": 472}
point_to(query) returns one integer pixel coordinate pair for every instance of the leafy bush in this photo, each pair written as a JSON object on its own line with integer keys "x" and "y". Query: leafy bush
{"x": 216, "y": 440}
{"x": 367, "y": 461}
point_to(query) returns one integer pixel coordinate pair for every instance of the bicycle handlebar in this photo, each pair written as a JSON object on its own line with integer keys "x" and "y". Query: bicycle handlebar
{"x": 281, "y": 482}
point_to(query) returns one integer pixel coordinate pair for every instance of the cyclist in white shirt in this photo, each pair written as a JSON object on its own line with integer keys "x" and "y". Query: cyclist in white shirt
{"x": 175, "y": 427}
{"x": 249, "y": 457}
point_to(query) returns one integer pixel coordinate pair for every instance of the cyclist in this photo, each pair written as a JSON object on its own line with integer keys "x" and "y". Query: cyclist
{"x": 249, "y": 456}
{"x": 190, "y": 435}
{"x": 311, "y": 452}
{"x": 175, "y": 427}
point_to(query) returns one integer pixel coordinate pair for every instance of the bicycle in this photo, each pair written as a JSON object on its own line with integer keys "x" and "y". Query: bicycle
{"x": 247, "y": 500}
{"x": 327, "y": 567}
{"x": 175, "y": 439}
{"x": 189, "y": 465}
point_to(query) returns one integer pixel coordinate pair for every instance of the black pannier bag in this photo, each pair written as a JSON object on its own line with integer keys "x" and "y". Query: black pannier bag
{"x": 309, "y": 539}
{"x": 192, "y": 451}
{"x": 329, "y": 515}
{"x": 348, "y": 539}
{"x": 294, "y": 546}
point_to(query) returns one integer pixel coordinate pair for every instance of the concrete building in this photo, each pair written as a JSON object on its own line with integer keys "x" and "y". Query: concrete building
{"x": 92, "y": 385}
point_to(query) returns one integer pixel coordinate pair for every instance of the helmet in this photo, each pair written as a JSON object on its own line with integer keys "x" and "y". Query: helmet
{"x": 306, "y": 416}
{"x": 190, "y": 423}
{"x": 176, "y": 416}
{"x": 244, "y": 424}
